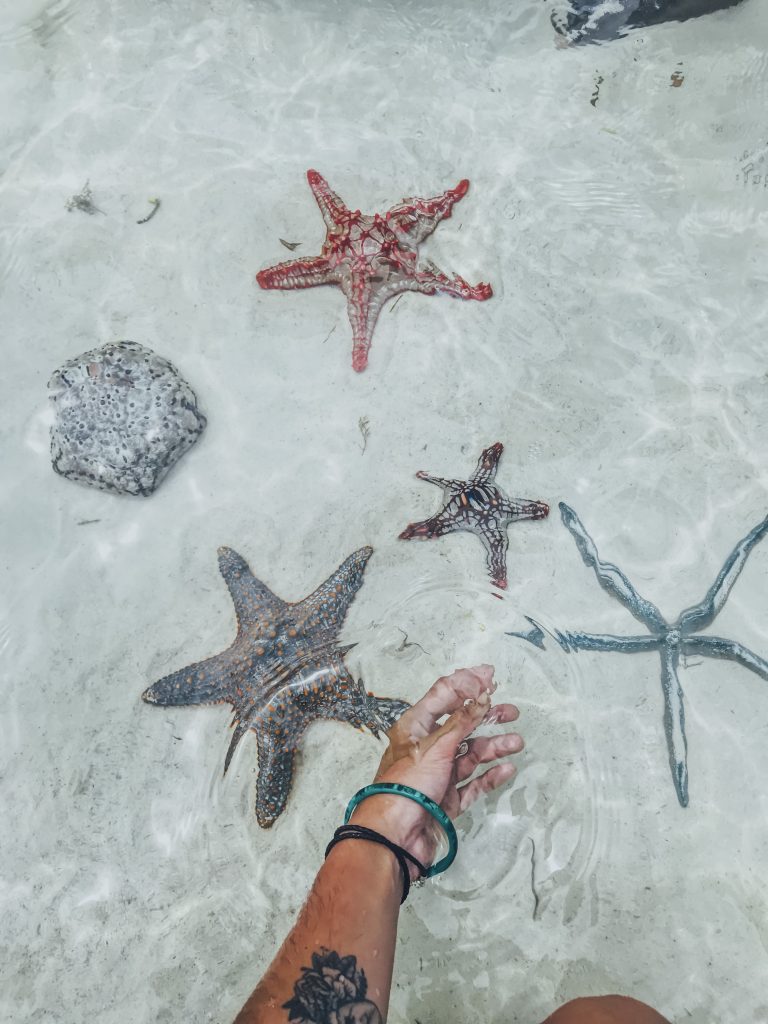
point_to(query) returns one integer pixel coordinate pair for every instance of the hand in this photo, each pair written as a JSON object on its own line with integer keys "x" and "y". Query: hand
{"x": 435, "y": 759}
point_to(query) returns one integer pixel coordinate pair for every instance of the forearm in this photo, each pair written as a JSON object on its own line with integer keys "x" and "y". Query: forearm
{"x": 335, "y": 967}
{"x": 352, "y": 910}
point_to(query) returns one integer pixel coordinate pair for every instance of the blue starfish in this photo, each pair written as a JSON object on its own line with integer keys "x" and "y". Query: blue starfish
{"x": 670, "y": 640}
{"x": 283, "y": 670}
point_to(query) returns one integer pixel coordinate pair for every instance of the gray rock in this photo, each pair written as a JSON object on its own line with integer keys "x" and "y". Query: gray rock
{"x": 123, "y": 417}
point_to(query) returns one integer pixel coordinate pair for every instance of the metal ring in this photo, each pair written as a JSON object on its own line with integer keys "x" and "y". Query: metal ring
{"x": 463, "y": 749}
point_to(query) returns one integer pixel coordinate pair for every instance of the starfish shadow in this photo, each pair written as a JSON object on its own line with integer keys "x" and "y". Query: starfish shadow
{"x": 670, "y": 640}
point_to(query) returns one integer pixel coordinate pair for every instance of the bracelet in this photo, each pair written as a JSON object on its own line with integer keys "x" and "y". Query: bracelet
{"x": 401, "y": 855}
{"x": 437, "y": 812}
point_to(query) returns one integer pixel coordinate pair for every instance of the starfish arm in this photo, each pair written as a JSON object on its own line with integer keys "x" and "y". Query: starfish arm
{"x": 205, "y": 682}
{"x": 256, "y": 607}
{"x": 701, "y": 615}
{"x": 610, "y": 577}
{"x": 514, "y": 510}
{"x": 437, "y": 526}
{"x": 496, "y": 543}
{"x": 239, "y": 730}
{"x": 609, "y": 642}
{"x": 430, "y": 280}
{"x": 333, "y": 209}
{"x": 674, "y": 722}
{"x": 718, "y": 647}
{"x": 367, "y": 291}
{"x": 590, "y": 641}
{"x": 487, "y": 464}
{"x": 440, "y": 481}
{"x": 347, "y": 701}
{"x": 276, "y": 751}
{"x": 302, "y": 273}
{"x": 388, "y": 710}
{"x": 363, "y": 312}
{"x": 415, "y": 219}
{"x": 322, "y": 614}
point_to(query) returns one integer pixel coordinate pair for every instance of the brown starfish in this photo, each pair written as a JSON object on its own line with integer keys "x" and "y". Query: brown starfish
{"x": 283, "y": 670}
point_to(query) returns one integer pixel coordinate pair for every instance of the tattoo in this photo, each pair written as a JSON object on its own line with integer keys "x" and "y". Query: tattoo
{"x": 332, "y": 991}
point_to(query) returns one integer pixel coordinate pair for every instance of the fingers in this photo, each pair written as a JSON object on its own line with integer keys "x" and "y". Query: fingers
{"x": 501, "y": 713}
{"x": 484, "y": 750}
{"x": 460, "y": 724}
{"x": 444, "y": 697}
{"x": 486, "y": 783}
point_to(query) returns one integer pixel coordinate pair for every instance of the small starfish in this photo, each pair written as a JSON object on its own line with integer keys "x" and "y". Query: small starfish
{"x": 373, "y": 258}
{"x": 670, "y": 640}
{"x": 283, "y": 670}
{"x": 478, "y": 506}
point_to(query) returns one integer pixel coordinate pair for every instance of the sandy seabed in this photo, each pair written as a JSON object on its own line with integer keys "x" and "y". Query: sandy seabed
{"x": 622, "y": 222}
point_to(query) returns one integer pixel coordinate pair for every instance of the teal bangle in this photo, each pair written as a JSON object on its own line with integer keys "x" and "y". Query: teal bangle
{"x": 437, "y": 812}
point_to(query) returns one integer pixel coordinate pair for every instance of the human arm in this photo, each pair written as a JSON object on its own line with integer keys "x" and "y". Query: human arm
{"x": 335, "y": 966}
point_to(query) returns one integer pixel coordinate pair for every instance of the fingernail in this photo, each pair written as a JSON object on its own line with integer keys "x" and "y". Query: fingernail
{"x": 484, "y": 699}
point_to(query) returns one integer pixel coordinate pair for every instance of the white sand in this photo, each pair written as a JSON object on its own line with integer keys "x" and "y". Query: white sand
{"x": 621, "y": 361}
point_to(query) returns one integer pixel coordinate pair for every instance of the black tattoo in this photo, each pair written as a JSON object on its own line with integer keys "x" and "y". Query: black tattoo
{"x": 332, "y": 991}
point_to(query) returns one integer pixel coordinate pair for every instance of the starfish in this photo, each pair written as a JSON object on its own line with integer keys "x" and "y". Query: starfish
{"x": 478, "y": 506}
{"x": 373, "y": 258}
{"x": 283, "y": 670}
{"x": 670, "y": 640}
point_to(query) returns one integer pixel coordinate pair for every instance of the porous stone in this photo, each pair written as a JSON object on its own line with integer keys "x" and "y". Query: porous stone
{"x": 123, "y": 417}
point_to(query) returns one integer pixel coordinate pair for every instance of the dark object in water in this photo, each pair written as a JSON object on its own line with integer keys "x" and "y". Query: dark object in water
{"x": 83, "y": 201}
{"x": 592, "y": 21}
{"x": 155, "y": 207}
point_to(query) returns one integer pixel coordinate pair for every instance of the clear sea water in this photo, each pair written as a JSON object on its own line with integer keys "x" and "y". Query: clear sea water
{"x": 622, "y": 220}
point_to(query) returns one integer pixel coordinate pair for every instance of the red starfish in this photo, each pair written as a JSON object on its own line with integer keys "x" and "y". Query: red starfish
{"x": 373, "y": 258}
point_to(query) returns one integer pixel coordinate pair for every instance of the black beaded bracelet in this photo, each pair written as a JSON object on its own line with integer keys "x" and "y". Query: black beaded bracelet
{"x": 368, "y": 834}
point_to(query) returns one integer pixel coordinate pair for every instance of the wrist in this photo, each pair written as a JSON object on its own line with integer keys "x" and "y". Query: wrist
{"x": 410, "y": 826}
{"x": 394, "y": 818}
{"x": 374, "y": 862}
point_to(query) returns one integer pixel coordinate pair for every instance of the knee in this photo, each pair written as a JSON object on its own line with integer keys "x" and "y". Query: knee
{"x": 605, "y": 1010}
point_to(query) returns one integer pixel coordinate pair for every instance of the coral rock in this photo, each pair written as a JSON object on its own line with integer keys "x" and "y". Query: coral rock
{"x": 123, "y": 417}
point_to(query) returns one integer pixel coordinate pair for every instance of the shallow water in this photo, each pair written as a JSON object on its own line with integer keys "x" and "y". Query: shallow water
{"x": 621, "y": 362}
